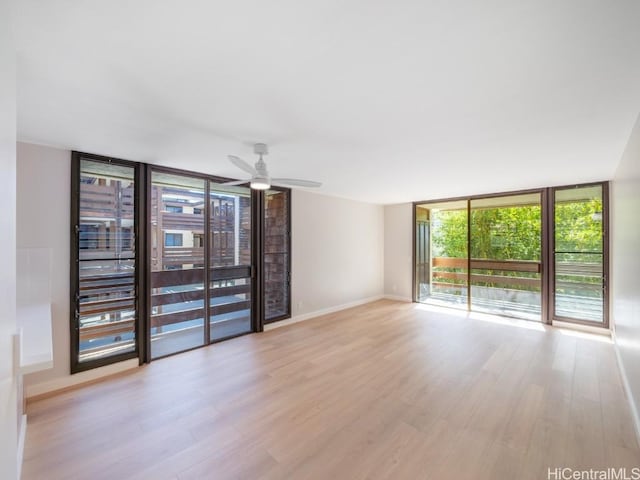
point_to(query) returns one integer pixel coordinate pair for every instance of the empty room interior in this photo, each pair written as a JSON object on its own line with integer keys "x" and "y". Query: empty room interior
{"x": 319, "y": 240}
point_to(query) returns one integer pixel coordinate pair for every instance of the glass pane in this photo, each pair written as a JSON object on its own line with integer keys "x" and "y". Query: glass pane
{"x": 441, "y": 253}
{"x": 276, "y": 254}
{"x": 230, "y": 308}
{"x": 506, "y": 249}
{"x": 177, "y": 263}
{"x": 107, "y": 299}
{"x": 230, "y": 257}
{"x": 578, "y": 254}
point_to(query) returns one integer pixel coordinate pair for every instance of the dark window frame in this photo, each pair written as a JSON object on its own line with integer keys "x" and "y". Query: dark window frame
{"x": 142, "y": 196}
{"x": 606, "y": 300}
{"x": 208, "y": 179}
{"x": 287, "y": 313}
{"x": 139, "y": 218}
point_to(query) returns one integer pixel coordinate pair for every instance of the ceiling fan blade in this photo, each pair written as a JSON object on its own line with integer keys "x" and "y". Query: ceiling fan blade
{"x": 295, "y": 182}
{"x": 236, "y": 182}
{"x": 242, "y": 165}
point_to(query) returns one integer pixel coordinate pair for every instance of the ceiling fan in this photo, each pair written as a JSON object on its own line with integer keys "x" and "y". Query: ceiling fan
{"x": 260, "y": 179}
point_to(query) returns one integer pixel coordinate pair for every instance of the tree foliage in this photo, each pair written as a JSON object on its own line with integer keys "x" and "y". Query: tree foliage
{"x": 514, "y": 233}
{"x": 578, "y": 226}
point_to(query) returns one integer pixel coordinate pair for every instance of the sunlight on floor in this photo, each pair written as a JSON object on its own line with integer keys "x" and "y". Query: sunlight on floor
{"x": 514, "y": 322}
{"x": 596, "y": 337}
{"x": 510, "y": 322}
{"x": 484, "y": 317}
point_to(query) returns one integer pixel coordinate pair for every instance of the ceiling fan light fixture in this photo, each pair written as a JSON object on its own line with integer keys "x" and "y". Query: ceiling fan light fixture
{"x": 260, "y": 183}
{"x": 260, "y": 178}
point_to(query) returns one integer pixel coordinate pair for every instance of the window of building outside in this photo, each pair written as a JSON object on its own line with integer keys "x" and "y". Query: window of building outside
{"x": 172, "y": 239}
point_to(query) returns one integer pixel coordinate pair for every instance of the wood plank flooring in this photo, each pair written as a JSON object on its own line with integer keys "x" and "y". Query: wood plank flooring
{"x": 386, "y": 390}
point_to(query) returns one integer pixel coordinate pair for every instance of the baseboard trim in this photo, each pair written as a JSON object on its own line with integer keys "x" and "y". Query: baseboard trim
{"x": 71, "y": 382}
{"x": 398, "y": 298}
{"x": 22, "y": 433}
{"x": 627, "y": 387}
{"x": 321, "y": 312}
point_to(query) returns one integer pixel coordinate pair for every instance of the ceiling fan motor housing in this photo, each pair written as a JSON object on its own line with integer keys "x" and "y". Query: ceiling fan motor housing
{"x": 260, "y": 149}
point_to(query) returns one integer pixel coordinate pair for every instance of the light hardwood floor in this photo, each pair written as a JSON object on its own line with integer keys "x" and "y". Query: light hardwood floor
{"x": 386, "y": 390}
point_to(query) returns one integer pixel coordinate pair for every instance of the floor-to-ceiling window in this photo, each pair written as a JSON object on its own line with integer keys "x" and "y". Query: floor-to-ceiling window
{"x": 165, "y": 260}
{"x": 506, "y": 255}
{"x": 537, "y": 255}
{"x": 277, "y": 254}
{"x": 209, "y": 256}
{"x": 105, "y": 261}
{"x": 177, "y": 263}
{"x": 230, "y": 261}
{"x": 579, "y": 253}
{"x": 441, "y": 252}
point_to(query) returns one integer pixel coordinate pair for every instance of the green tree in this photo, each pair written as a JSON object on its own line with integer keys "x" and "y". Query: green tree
{"x": 514, "y": 233}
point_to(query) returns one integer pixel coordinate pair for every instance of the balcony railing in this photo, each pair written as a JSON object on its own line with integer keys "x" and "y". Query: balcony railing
{"x": 513, "y": 286}
{"x": 442, "y": 274}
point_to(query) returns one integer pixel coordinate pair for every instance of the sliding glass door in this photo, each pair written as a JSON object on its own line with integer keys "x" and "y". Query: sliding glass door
{"x": 230, "y": 285}
{"x": 493, "y": 244}
{"x": 201, "y": 236}
{"x": 579, "y": 254}
{"x": 177, "y": 263}
{"x": 442, "y": 252}
{"x": 506, "y": 255}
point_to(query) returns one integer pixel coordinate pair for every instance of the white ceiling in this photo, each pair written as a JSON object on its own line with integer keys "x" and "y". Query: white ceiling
{"x": 383, "y": 101}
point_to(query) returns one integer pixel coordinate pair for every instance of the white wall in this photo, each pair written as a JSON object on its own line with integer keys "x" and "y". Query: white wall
{"x": 43, "y": 222}
{"x": 625, "y": 263}
{"x": 43, "y": 198}
{"x": 337, "y": 252}
{"x": 398, "y": 245}
{"x": 8, "y": 401}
